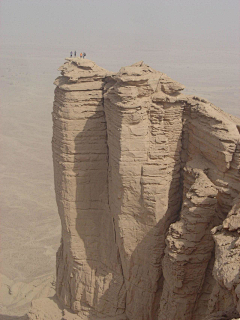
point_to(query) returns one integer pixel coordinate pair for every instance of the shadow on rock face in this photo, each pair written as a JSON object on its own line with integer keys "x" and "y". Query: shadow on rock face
{"x": 101, "y": 287}
{"x": 106, "y": 278}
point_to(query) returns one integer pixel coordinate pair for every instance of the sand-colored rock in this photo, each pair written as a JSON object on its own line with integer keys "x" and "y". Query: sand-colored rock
{"x": 89, "y": 272}
{"x": 227, "y": 254}
{"x": 211, "y": 182}
{"x": 144, "y": 141}
{"x": 142, "y": 175}
{"x": 16, "y": 297}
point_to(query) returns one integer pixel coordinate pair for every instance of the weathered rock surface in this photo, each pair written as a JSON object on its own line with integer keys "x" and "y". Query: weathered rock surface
{"x": 142, "y": 175}
{"x": 227, "y": 258}
{"x": 89, "y": 272}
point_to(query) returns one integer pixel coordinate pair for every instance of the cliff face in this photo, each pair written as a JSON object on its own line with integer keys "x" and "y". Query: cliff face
{"x": 144, "y": 141}
{"x": 89, "y": 272}
{"x": 143, "y": 174}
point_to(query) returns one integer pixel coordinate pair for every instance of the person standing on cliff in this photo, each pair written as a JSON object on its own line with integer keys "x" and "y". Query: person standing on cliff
{"x": 81, "y": 55}
{"x": 75, "y": 53}
{"x": 71, "y": 54}
{"x": 84, "y": 55}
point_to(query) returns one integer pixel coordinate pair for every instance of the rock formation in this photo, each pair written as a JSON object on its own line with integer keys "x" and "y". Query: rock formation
{"x": 145, "y": 179}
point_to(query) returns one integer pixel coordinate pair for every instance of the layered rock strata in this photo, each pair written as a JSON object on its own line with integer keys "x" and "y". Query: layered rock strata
{"x": 227, "y": 261}
{"x": 142, "y": 175}
{"x": 89, "y": 272}
{"x": 144, "y": 140}
{"x": 211, "y": 182}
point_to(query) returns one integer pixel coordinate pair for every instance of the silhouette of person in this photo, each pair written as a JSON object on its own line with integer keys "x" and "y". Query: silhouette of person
{"x": 75, "y": 53}
{"x": 71, "y": 54}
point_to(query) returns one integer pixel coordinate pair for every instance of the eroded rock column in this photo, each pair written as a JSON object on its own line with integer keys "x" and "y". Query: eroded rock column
{"x": 210, "y": 151}
{"x": 189, "y": 248}
{"x": 144, "y": 127}
{"x": 89, "y": 274}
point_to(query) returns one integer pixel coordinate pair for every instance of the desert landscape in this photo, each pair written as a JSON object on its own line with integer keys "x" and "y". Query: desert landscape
{"x": 30, "y": 222}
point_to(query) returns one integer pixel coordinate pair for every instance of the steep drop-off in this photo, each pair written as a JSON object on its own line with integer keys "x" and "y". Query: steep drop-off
{"x": 143, "y": 173}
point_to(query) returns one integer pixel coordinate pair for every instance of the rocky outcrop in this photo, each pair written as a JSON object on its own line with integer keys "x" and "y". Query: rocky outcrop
{"x": 144, "y": 141}
{"x": 227, "y": 261}
{"x": 89, "y": 272}
{"x": 211, "y": 177}
{"x": 16, "y": 296}
{"x": 142, "y": 175}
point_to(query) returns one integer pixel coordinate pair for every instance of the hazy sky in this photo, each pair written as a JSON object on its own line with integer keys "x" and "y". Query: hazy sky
{"x": 121, "y": 24}
{"x": 196, "y": 42}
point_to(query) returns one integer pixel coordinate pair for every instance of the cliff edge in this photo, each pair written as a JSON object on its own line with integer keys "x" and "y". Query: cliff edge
{"x": 147, "y": 188}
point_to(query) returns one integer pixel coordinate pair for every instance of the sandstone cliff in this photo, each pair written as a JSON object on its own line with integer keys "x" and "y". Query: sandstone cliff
{"x": 143, "y": 173}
